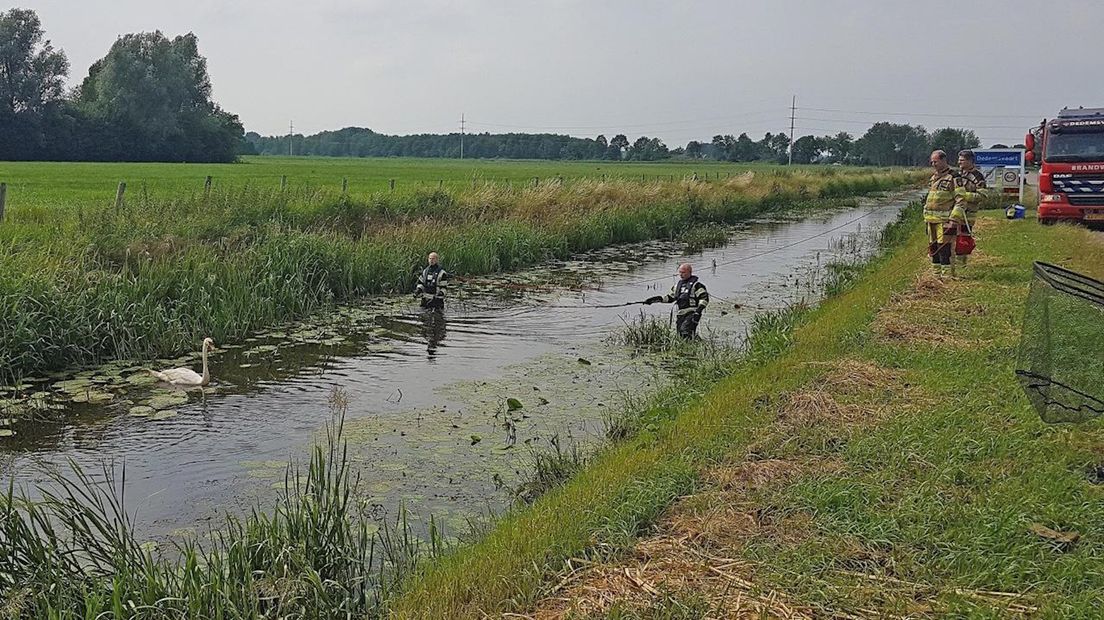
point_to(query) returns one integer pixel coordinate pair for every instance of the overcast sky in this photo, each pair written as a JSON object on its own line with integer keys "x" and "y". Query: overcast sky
{"x": 679, "y": 70}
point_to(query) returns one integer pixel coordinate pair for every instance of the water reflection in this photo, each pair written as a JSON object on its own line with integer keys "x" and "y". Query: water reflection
{"x": 433, "y": 435}
{"x": 434, "y": 329}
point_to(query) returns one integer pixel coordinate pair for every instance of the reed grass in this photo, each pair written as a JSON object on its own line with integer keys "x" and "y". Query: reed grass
{"x": 73, "y": 552}
{"x": 85, "y": 284}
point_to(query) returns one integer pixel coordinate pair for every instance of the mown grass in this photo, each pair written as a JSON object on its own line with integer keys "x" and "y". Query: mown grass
{"x": 89, "y": 283}
{"x": 942, "y": 503}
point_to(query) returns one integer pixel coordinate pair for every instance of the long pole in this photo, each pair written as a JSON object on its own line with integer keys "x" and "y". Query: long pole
{"x": 461, "y": 135}
{"x": 291, "y": 136}
{"x": 793, "y": 109}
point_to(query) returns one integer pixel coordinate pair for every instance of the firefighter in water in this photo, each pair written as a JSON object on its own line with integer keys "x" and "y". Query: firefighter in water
{"x": 970, "y": 189}
{"x": 430, "y": 289}
{"x": 937, "y": 212}
{"x": 691, "y": 298}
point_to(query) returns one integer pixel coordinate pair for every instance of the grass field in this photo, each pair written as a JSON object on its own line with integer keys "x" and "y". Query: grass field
{"x": 82, "y": 282}
{"x": 67, "y": 184}
{"x": 886, "y": 464}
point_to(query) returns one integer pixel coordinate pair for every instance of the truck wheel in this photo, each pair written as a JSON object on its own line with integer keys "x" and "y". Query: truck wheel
{"x": 1046, "y": 221}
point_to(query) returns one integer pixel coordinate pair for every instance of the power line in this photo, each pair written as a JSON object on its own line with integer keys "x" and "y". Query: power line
{"x": 866, "y": 122}
{"x": 793, "y": 109}
{"x": 932, "y": 114}
{"x": 654, "y": 124}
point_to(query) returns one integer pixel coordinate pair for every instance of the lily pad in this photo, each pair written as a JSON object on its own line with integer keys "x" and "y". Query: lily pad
{"x": 260, "y": 350}
{"x": 98, "y": 398}
{"x": 475, "y": 439}
{"x": 141, "y": 411}
{"x": 6, "y": 432}
{"x": 141, "y": 378}
{"x": 584, "y": 361}
{"x": 513, "y": 404}
{"x": 73, "y": 386}
{"x": 167, "y": 400}
{"x": 164, "y": 414}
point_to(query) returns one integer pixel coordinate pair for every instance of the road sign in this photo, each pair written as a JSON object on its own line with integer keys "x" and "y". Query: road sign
{"x": 1003, "y": 169}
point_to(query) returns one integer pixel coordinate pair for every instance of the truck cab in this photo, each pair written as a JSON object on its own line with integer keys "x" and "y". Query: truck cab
{"x": 1070, "y": 153}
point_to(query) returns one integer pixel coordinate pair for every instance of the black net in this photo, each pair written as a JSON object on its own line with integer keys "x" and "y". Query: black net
{"x": 1061, "y": 357}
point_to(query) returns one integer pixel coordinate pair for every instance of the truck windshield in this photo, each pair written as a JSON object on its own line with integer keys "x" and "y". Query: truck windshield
{"x": 1075, "y": 147}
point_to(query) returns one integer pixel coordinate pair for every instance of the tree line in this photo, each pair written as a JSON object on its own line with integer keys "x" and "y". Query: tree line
{"x": 361, "y": 142}
{"x": 148, "y": 99}
{"x": 884, "y": 144}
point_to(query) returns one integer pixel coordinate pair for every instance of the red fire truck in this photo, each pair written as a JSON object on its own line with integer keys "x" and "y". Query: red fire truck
{"x": 1070, "y": 152}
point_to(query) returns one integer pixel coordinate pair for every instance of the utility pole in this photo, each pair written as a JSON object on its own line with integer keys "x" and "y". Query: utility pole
{"x": 793, "y": 109}
{"x": 291, "y": 137}
{"x": 461, "y": 135}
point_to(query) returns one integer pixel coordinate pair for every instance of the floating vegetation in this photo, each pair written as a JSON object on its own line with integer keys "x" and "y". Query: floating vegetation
{"x": 97, "y": 285}
{"x": 72, "y": 551}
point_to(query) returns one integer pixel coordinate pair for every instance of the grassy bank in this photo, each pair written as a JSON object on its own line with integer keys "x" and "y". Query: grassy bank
{"x": 884, "y": 463}
{"x": 88, "y": 283}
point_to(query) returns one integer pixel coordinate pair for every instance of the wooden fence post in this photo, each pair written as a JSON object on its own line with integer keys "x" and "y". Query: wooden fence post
{"x": 344, "y": 185}
{"x": 440, "y": 183}
{"x": 392, "y": 183}
{"x": 119, "y": 196}
{"x": 207, "y": 187}
{"x": 283, "y": 182}
{"x": 3, "y": 199}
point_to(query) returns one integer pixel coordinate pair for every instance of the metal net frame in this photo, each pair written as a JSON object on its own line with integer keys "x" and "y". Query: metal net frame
{"x": 1060, "y": 362}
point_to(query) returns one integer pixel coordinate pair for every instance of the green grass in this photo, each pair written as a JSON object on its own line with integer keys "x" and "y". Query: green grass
{"x": 944, "y": 498}
{"x": 33, "y": 184}
{"x": 941, "y": 496}
{"x": 86, "y": 283}
{"x": 608, "y": 504}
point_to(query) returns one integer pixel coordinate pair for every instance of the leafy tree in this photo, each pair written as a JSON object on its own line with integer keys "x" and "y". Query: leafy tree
{"x": 602, "y": 142}
{"x": 745, "y": 149}
{"x": 155, "y": 92}
{"x": 891, "y": 144}
{"x": 617, "y": 146}
{"x": 775, "y": 147}
{"x": 807, "y": 149}
{"x": 694, "y": 149}
{"x": 954, "y": 140}
{"x": 999, "y": 146}
{"x": 32, "y": 85}
{"x": 648, "y": 149}
{"x": 839, "y": 147}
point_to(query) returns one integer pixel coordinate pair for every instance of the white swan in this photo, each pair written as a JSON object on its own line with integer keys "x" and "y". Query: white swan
{"x": 187, "y": 376}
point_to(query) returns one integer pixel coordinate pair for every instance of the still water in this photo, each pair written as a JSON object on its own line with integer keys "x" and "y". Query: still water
{"x": 427, "y": 420}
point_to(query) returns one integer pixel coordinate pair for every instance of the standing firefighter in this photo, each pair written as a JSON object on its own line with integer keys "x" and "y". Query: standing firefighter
{"x": 691, "y": 298}
{"x": 431, "y": 285}
{"x": 937, "y": 211}
{"x": 970, "y": 189}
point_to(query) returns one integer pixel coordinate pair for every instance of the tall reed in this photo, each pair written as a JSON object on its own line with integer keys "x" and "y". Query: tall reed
{"x": 82, "y": 285}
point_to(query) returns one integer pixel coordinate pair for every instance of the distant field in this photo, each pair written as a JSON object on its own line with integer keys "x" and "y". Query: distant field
{"x": 65, "y": 183}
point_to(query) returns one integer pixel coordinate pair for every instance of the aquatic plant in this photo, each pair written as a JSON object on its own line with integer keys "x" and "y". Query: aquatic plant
{"x": 73, "y": 553}
{"x": 85, "y": 284}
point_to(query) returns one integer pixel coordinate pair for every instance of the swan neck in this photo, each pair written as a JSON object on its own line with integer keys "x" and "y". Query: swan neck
{"x": 206, "y": 373}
